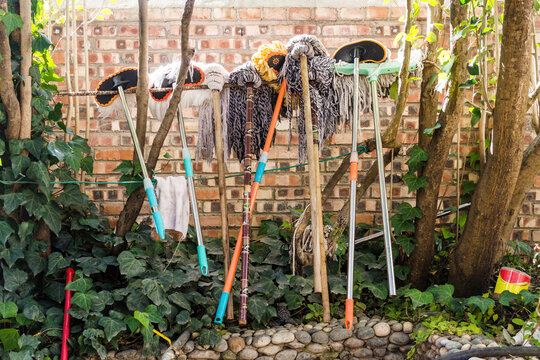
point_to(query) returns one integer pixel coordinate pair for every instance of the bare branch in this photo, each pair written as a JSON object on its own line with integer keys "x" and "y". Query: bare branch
{"x": 26, "y": 63}
{"x": 142, "y": 84}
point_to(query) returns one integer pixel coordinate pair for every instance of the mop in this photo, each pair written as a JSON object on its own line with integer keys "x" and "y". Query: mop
{"x": 268, "y": 61}
{"x": 372, "y": 72}
{"x": 117, "y": 81}
{"x": 214, "y": 77}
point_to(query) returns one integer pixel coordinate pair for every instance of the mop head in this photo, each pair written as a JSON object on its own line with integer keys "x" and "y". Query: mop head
{"x": 108, "y": 104}
{"x": 263, "y": 101}
{"x": 212, "y": 75}
{"x": 268, "y": 60}
{"x": 322, "y": 93}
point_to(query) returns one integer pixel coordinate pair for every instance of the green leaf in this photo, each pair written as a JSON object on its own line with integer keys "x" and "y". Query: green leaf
{"x": 38, "y": 171}
{"x": 112, "y": 327}
{"x": 183, "y": 317}
{"x": 125, "y": 167}
{"x": 153, "y": 290}
{"x": 506, "y": 297}
{"x": 19, "y": 164}
{"x": 257, "y": 306}
{"x": 429, "y": 131}
{"x": 402, "y": 271}
{"x": 5, "y": 231}
{"x": 11, "y": 21}
{"x": 400, "y": 224}
{"x": 518, "y": 321}
{"x": 8, "y": 310}
{"x": 28, "y": 342}
{"x": 11, "y": 255}
{"x": 15, "y": 146}
{"x": 442, "y": 293}
{"x": 52, "y": 215}
{"x": 87, "y": 165}
{"x": 431, "y": 37}
{"x": 80, "y": 143}
{"x": 129, "y": 266}
{"x": 408, "y": 211}
{"x": 33, "y": 201}
{"x": 414, "y": 182}
{"x": 447, "y": 234}
{"x": 72, "y": 196}
{"x": 12, "y": 201}
{"x": 80, "y": 285}
{"x": 35, "y": 261}
{"x": 528, "y": 297}
{"x": 9, "y": 339}
{"x": 480, "y": 302}
{"x": 41, "y": 43}
{"x": 2, "y": 147}
{"x": 473, "y": 69}
{"x": 142, "y": 317}
{"x": 179, "y": 299}
{"x": 33, "y": 312}
{"x": 419, "y": 298}
{"x": 379, "y": 290}
{"x": 209, "y": 337}
{"x": 394, "y": 91}
{"x": 13, "y": 278}
{"x": 476, "y": 115}
{"x": 293, "y": 299}
{"x": 59, "y": 149}
{"x": 83, "y": 299}
{"x": 57, "y": 262}
{"x": 417, "y": 158}
{"x": 407, "y": 243}
{"x": 34, "y": 146}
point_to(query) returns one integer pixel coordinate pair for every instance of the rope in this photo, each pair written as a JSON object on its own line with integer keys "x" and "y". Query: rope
{"x": 362, "y": 150}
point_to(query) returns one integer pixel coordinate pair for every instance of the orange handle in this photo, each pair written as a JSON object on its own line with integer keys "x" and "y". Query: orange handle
{"x": 349, "y": 310}
{"x": 354, "y": 171}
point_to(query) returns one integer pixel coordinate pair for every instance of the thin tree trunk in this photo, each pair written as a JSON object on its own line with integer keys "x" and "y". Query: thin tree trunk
{"x": 133, "y": 205}
{"x": 26, "y": 62}
{"x": 472, "y": 261}
{"x": 426, "y": 197}
{"x": 142, "y": 84}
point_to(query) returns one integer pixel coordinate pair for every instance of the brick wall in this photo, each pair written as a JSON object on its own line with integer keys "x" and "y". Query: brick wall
{"x": 229, "y": 35}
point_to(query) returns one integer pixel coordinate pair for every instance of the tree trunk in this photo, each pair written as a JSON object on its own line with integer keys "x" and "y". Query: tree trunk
{"x": 26, "y": 62}
{"x": 142, "y": 83}
{"x": 439, "y": 146}
{"x": 133, "y": 205}
{"x": 472, "y": 261}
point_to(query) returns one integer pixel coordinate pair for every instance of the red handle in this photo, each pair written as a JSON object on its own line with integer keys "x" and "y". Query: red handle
{"x": 349, "y": 310}
{"x": 65, "y": 334}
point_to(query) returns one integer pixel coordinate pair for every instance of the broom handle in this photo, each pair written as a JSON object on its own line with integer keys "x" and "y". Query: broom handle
{"x": 349, "y": 303}
{"x": 148, "y": 186}
{"x": 308, "y": 126}
{"x": 382, "y": 187}
{"x": 186, "y": 156}
{"x": 67, "y": 306}
{"x": 220, "y": 155}
{"x": 246, "y": 213}
{"x": 256, "y": 184}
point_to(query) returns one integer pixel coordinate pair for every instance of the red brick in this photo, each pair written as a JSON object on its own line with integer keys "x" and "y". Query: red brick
{"x": 224, "y": 13}
{"x": 325, "y": 14}
{"x": 351, "y": 14}
{"x": 129, "y": 31}
{"x": 376, "y": 13}
{"x": 156, "y": 31}
{"x": 111, "y": 208}
{"x": 274, "y": 13}
{"x": 283, "y": 30}
{"x": 249, "y": 14}
{"x": 299, "y": 13}
{"x": 306, "y": 29}
{"x": 201, "y": 13}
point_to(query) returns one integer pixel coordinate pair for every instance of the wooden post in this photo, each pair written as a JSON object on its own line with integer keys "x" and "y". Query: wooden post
{"x": 220, "y": 155}
{"x": 317, "y": 232}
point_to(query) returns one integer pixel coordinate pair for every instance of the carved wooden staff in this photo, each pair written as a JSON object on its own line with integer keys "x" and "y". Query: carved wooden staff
{"x": 246, "y": 213}
{"x": 220, "y": 155}
{"x": 317, "y": 232}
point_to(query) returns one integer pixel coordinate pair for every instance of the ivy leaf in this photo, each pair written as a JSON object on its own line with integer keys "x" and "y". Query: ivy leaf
{"x": 59, "y": 149}
{"x": 408, "y": 211}
{"x": 125, "y": 167}
{"x": 480, "y": 302}
{"x": 11, "y": 255}
{"x": 379, "y": 290}
{"x": 33, "y": 312}
{"x": 87, "y": 165}
{"x": 506, "y": 297}
{"x": 142, "y": 317}
{"x": 179, "y": 299}
{"x": 80, "y": 143}
{"x": 476, "y": 115}
{"x": 83, "y": 299}
{"x": 33, "y": 201}
{"x": 111, "y": 326}
{"x": 55, "y": 291}
{"x": 528, "y": 297}
{"x": 417, "y": 157}
{"x": 41, "y": 43}
{"x": 12, "y": 201}
{"x": 183, "y": 317}
{"x": 38, "y": 171}
{"x": 80, "y": 285}
{"x": 293, "y": 300}
{"x": 8, "y": 310}
{"x": 414, "y": 182}
{"x": 442, "y": 293}
{"x": 72, "y": 196}
{"x": 153, "y": 290}
{"x": 13, "y": 278}
{"x": 19, "y": 163}
{"x": 9, "y": 339}
{"x": 5, "y": 230}
{"x": 257, "y": 306}
{"x": 209, "y": 337}
{"x": 400, "y": 224}
{"x": 407, "y": 243}
{"x": 447, "y": 234}
{"x": 56, "y": 262}
{"x": 34, "y": 146}
{"x": 129, "y": 266}
{"x": 52, "y": 215}
{"x": 419, "y": 298}
{"x": 11, "y": 21}
{"x": 35, "y": 262}
{"x": 429, "y": 131}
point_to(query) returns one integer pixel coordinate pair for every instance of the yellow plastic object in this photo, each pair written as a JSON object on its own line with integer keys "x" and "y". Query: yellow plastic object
{"x": 512, "y": 280}
{"x": 268, "y": 60}
{"x": 162, "y": 336}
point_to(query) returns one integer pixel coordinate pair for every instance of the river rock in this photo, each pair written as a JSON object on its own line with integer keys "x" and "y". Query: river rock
{"x": 365, "y": 332}
{"x": 248, "y": 354}
{"x": 261, "y": 341}
{"x": 340, "y": 334}
{"x": 382, "y": 329}
{"x": 237, "y": 344}
{"x": 126, "y": 355}
{"x": 329, "y": 356}
{"x": 363, "y": 353}
{"x": 189, "y": 347}
{"x": 353, "y": 343}
{"x": 305, "y": 356}
{"x": 399, "y": 338}
{"x": 229, "y": 355}
{"x": 466, "y": 347}
{"x": 270, "y": 350}
{"x": 287, "y": 354}
{"x": 336, "y": 346}
{"x": 408, "y": 327}
{"x": 264, "y": 358}
{"x": 295, "y": 345}
{"x": 282, "y": 337}
{"x": 320, "y": 337}
{"x": 397, "y": 327}
{"x": 316, "y": 348}
{"x": 221, "y": 346}
{"x": 377, "y": 342}
{"x": 303, "y": 337}
{"x": 204, "y": 354}
{"x": 394, "y": 356}
{"x": 453, "y": 345}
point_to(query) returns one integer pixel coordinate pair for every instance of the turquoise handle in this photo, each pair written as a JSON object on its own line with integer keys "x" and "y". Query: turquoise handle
{"x": 260, "y": 171}
{"x": 158, "y": 221}
{"x": 203, "y": 261}
{"x": 150, "y": 193}
{"x": 220, "y": 313}
{"x": 187, "y": 162}
{"x": 160, "y": 228}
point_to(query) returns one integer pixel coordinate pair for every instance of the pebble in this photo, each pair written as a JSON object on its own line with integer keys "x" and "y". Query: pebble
{"x": 396, "y": 326}
{"x": 339, "y": 334}
{"x": 353, "y": 343}
{"x": 127, "y": 354}
{"x": 466, "y": 347}
{"x": 204, "y": 354}
{"x": 382, "y": 329}
{"x": 478, "y": 346}
{"x": 394, "y": 356}
{"x": 249, "y": 340}
{"x": 248, "y": 354}
{"x": 261, "y": 341}
{"x": 327, "y": 329}
{"x": 399, "y": 338}
{"x": 363, "y": 353}
{"x": 316, "y": 348}
{"x": 270, "y": 332}
{"x": 295, "y": 345}
{"x": 264, "y": 358}
{"x": 248, "y": 333}
{"x": 305, "y": 356}
{"x": 270, "y": 350}
{"x": 228, "y": 355}
{"x": 308, "y": 327}
{"x": 282, "y": 337}
{"x": 377, "y": 342}
{"x": 365, "y": 333}
{"x": 407, "y": 327}
{"x": 303, "y": 337}
{"x": 221, "y": 346}
{"x": 320, "y": 337}
{"x": 453, "y": 345}
{"x": 379, "y": 352}
{"x": 259, "y": 332}
{"x": 287, "y": 354}
{"x": 336, "y": 346}
{"x": 189, "y": 347}
{"x": 329, "y": 356}
{"x": 443, "y": 351}
{"x": 237, "y": 344}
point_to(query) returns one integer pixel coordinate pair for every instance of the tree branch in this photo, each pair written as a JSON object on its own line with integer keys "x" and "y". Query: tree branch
{"x": 142, "y": 83}
{"x": 26, "y": 63}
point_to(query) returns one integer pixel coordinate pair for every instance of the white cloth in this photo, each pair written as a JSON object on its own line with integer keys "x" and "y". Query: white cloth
{"x": 173, "y": 201}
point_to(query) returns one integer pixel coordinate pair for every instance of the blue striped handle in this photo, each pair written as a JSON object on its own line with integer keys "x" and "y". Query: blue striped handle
{"x": 260, "y": 167}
